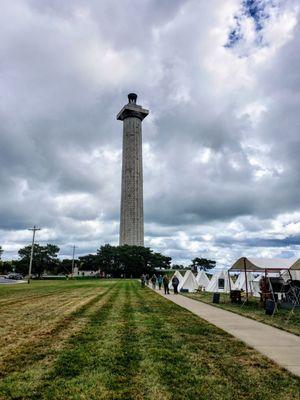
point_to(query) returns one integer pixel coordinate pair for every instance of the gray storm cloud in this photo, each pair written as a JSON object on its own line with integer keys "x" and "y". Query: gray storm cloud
{"x": 221, "y": 143}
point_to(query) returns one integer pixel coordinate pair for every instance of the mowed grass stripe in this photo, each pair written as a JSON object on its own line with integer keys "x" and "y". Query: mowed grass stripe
{"x": 28, "y": 324}
{"x": 169, "y": 361}
{"x": 19, "y": 293}
{"x": 29, "y": 383}
{"x": 159, "y": 348}
{"x": 72, "y": 375}
{"x": 48, "y": 345}
{"x": 221, "y": 367}
{"x": 24, "y": 295}
{"x": 136, "y": 345}
{"x": 197, "y": 360}
{"x": 124, "y": 368}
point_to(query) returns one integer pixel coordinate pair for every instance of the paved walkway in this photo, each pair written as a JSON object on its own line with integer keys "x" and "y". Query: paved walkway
{"x": 280, "y": 346}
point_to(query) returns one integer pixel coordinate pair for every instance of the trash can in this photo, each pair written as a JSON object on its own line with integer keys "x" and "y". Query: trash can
{"x": 216, "y": 298}
{"x": 270, "y": 306}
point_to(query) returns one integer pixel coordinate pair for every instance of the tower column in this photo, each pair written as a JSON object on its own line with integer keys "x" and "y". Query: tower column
{"x": 132, "y": 210}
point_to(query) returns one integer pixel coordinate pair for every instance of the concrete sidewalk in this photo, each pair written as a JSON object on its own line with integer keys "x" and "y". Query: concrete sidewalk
{"x": 280, "y": 346}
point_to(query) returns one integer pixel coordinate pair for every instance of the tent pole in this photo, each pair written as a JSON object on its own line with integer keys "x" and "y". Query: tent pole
{"x": 273, "y": 295}
{"x": 229, "y": 281}
{"x": 246, "y": 280}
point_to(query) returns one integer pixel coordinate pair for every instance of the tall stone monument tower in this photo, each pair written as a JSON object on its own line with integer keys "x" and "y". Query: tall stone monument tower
{"x": 132, "y": 211}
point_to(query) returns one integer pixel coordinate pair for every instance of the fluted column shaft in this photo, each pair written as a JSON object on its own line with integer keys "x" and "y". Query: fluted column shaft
{"x": 132, "y": 208}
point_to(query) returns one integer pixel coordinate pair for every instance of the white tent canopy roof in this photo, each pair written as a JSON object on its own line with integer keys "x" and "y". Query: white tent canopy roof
{"x": 202, "y": 279}
{"x": 261, "y": 264}
{"x": 189, "y": 282}
{"x": 179, "y": 276}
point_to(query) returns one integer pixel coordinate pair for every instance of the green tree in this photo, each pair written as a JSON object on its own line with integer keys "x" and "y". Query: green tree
{"x": 44, "y": 259}
{"x": 134, "y": 260}
{"x": 1, "y": 263}
{"x": 109, "y": 260}
{"x": 65, "y": 266}
{"x": 89, "y": 262}
{"x": 158, "y": 261}
{"x": 130, "y": 260}
{"x": 202, "y": 263}
{"x": 178, "y": 266}
{"x": 6, "y": 267}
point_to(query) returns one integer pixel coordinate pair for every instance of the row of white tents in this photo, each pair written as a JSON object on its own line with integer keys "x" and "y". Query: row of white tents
{"x": 250, "y": 272}
{"x": 218, "y": 283}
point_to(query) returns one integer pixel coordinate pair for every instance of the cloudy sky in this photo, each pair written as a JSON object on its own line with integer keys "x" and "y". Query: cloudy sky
{"x": 221, "y": 79}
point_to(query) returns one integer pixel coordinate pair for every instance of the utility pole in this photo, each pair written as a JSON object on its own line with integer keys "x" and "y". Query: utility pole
{"x": 34, "y": 229}
{"x": 73, "y": 260}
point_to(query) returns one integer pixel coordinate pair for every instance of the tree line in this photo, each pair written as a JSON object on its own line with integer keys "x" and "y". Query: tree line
{"x": 117, "y": 261}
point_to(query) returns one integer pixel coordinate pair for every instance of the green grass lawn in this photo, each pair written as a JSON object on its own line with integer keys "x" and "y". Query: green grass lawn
{"x": 114, "y": 340}
{"x": 282, "y": 319}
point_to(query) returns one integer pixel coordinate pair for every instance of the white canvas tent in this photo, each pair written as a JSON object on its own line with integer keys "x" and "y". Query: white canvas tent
{"x": 240, "y": 283}
{"x": 295, "y": 274}
{"x": 202, "y": 279}
{"x": 179, "y": 276}
{"x": 255, "y": 285}
{"x": 189, "y": 282}
{"x": 220, "y": 282}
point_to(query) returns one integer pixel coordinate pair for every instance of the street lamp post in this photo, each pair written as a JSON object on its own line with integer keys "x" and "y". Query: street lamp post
{"x": 34, "y": 229}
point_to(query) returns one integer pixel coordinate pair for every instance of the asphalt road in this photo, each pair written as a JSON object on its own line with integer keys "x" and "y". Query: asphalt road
{"x": 10, "y": 281}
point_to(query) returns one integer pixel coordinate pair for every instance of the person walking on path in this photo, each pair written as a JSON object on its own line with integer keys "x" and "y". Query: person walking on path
{"x": 153, "y": 281}
{"x": 175, "y": 283}
{"x": 147, "y": 279}
{"x": 166, "y": 281}
{"x": 159, "y": 281}
{"x": 143, "y": 281}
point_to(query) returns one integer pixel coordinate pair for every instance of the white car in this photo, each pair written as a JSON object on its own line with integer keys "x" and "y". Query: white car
{"x": 14, "y": 276}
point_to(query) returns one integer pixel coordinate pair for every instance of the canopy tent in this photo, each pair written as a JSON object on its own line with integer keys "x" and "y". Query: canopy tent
{"x": 263, "y": 264}
{"x": 202, "y": 279}
{"x": 296, "y": 266}
{"x": 220, "y": 282}
{"x": 188, "y": 282}
{"x": 179, "y": 276}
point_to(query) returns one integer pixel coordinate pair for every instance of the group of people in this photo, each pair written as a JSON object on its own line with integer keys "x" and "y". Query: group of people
{"x": 160, "y": 281}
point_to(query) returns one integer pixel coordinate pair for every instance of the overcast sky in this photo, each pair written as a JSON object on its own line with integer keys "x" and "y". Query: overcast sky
{"x": 221, "y": 144}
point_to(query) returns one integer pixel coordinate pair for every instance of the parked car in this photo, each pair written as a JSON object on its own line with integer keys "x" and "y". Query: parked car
{"x": 14, "y": 276}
